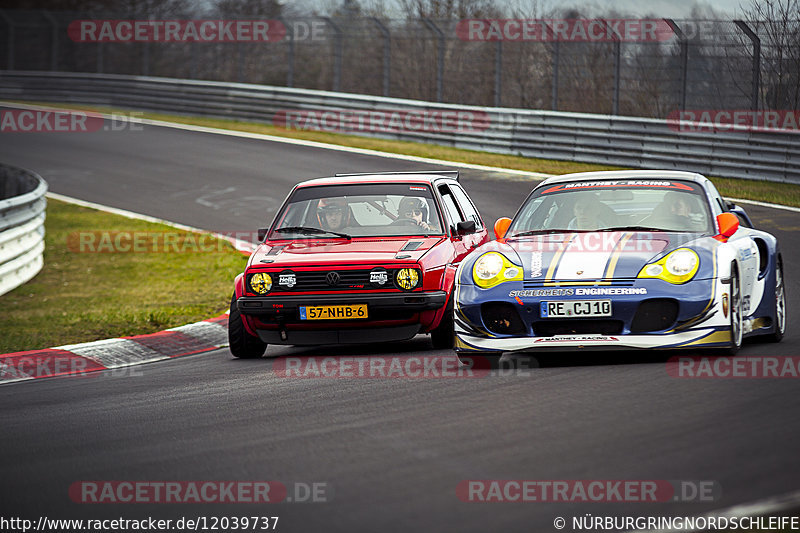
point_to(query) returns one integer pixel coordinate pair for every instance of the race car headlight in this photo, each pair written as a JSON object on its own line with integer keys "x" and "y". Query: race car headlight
{"x": 407, "y": 278}
{"x": 261, "y": 283}
{"x": 676, "y": 267}
{"x": 493, "y": 268}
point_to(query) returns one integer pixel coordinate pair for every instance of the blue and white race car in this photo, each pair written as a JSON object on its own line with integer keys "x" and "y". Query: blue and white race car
{"x": 621, "y": 259}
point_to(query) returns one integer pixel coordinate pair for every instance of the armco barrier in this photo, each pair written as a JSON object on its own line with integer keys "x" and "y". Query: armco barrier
{"x": 22, "y": 213}
{"x": 605, "y": 139}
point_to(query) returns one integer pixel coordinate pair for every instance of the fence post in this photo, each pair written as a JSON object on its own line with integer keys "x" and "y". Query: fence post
{"x": 193, "y": 60}
{"x": 290, "y": 53}
{"x": 10, "y": 51}
{"x": 684, "y": 59}
{"x": 498, "y": 73}
{"x": 239, "y": 63}
{"x": 554, "y": 91}
{"x": 440, "y": 57}
{"x": 756, "y": 83}
{"x": 387, "y": 54}
{"x": 54, "y": 44}
{"x": 337, "y": 54}
{"x": 617, "y": 62}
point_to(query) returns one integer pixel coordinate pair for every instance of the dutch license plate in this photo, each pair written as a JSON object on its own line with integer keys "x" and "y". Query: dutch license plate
{"x": 575, "y": 308}
{"x": 333, "y": 312}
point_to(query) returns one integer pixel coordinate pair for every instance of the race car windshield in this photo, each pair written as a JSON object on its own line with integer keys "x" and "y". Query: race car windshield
{"x": 618, "y": 205}
{"x": 359, "y": 210}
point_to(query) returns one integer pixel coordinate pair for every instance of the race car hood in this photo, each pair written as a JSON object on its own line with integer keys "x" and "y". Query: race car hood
{"x": 308, "y": 252}
{"x": 593, "y": 256}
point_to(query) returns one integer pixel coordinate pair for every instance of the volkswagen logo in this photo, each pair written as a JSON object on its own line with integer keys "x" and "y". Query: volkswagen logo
{"x": 332, "y": 278}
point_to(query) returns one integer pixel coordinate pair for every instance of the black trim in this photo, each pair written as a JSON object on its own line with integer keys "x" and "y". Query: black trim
{"x": 335, "y": 336}
{"x": 408, "y": 301}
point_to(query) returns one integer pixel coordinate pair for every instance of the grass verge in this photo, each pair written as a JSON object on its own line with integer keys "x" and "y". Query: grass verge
{"x": 80, "y": 297}
{"x": 763, "y": 191}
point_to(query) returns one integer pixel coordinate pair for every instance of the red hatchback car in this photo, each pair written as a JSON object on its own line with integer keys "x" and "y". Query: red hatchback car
{"x": 357, "y": 258}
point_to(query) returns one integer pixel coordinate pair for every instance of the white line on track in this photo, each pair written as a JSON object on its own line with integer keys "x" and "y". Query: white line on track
{"x": 237, "y": 243}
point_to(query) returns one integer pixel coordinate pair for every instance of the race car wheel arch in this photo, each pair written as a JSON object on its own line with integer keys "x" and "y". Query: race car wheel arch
{"x": 780, "y": 302}
{"x": 446, "y": 312}
{"x": 243, "y": 345}
{"x": 735, "y": 311}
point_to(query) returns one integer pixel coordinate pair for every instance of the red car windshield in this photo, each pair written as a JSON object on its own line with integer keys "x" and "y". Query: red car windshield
{"x": 359, "y": 210}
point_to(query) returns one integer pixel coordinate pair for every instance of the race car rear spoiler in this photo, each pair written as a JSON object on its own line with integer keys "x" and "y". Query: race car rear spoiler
{"x": 452, "y": 173}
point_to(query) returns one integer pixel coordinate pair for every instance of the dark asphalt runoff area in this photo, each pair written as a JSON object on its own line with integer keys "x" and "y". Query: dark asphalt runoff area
{"x": 386, "y": 454}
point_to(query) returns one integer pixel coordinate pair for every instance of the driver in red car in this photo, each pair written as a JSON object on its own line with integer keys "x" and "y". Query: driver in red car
{"x": 333, "y": 214}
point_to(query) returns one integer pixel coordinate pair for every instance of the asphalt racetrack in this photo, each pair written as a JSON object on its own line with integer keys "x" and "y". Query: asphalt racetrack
{"x": 385, "y": 454}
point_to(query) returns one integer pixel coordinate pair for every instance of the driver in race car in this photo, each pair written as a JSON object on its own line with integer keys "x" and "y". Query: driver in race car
{"x": 333, "y": 214}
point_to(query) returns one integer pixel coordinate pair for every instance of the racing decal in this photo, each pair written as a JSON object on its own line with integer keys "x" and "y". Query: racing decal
{"x": 536, "y": 264}
{"x": 287, "y": 279}
{"x": 574, "y": 338}
{"x": 557, "y": 257}
{"x": 609, "y": 291}
{"x": 578, "y": 262}
{"x": 612, "y": 264}
{"x": 580, "y": 291}
{"x": 660, "y": 184}
{"x": 379, "y": 277}
{"x": 541, "y": 292}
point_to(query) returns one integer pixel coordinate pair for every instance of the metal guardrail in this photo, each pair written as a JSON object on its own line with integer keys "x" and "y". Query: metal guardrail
{"x": 22, "y": 214}
{"x": 604, "y": 139}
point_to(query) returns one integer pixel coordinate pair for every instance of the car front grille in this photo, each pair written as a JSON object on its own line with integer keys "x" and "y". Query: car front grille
{"x": 318, "y": 281}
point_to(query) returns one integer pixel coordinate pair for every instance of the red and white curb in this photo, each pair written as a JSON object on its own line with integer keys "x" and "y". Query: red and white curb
{"x": 78, "y": 359}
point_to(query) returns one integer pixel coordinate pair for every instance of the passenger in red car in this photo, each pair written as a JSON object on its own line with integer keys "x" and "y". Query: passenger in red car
{"x": 414, "y": 209}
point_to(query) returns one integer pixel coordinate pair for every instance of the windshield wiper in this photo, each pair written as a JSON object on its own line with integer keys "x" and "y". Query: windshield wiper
{"x": 632, "y": 228}
{"x": 307, "y": 230}
{"x": 547, "y": 232}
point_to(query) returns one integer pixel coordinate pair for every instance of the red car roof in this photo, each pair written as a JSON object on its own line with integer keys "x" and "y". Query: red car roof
{"x": 374, "y": 178}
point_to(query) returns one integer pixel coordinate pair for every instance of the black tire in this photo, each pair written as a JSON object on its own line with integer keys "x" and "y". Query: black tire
{"x": 480, "y": 360}
{"x": 443, "y": 336}
{"x": 780, "y": 303}
{"x": 735, "y": 312}
{"x": 242, "y": 344}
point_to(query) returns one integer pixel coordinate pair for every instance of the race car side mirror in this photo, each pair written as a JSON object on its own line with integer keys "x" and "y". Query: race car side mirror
{"x": 501, "y": 227}
{"x": 466, "y": 227}
{"x": 728, "y": 224}
{"x": 262, "y": 233}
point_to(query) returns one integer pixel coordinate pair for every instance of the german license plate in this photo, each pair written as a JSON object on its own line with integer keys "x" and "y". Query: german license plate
{"x": 333, "y": 312}
{"x": 575, "y": 308}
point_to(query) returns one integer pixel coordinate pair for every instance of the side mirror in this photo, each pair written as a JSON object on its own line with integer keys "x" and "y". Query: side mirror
{"x": 465, "y": 228}
{"x": 262, "y": 234}
{"x": 501, "y": 227}
{"x": 728, "y": 224}
{"x": 742, "y": 214}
